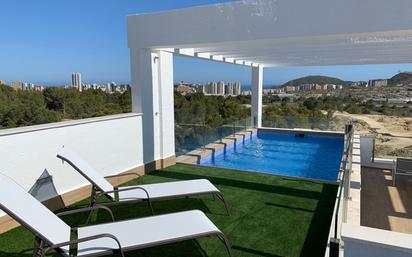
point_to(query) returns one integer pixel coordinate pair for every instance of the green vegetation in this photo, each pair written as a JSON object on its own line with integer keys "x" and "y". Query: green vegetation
{"x": 317, "y": 80}
{"x": 270, "y": 216}
{"x": 213, "y": 111}
{"x": 311, "y": 113}
{"x": 201, "y": 119}
{"x": 24, "y": 108}
{"x": 325, "y": 106}
{"x": 403, "y": 78}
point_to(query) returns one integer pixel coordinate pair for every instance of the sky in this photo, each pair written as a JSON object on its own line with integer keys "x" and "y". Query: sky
{"x": 44, "y": 41}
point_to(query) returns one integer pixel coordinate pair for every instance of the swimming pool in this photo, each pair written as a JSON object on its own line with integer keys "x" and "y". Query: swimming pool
{"x": 298, "y": 154}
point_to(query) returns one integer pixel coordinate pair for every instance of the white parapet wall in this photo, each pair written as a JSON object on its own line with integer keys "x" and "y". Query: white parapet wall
{"x": 363, "y": 241}
{"x": 111, "y": 144}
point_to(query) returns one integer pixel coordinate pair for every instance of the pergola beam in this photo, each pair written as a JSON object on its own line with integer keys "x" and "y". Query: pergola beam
{"x": 257, "y": 33}
{"x": 190, "y": 52}
{"x": 273, "y": 26}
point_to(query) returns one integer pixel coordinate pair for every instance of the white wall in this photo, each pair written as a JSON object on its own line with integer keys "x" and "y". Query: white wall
{"x": 257, "y": 89}
{"x": 152, "y": 94}
{"x": 166, "y": 105}
{"x": 111, "y": 144}
{"x": 370, "y": 242}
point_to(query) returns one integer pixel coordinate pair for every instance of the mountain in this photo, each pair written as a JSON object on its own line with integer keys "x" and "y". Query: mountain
{"x": 403, "y": 78}
{"x": 316, "y": 80}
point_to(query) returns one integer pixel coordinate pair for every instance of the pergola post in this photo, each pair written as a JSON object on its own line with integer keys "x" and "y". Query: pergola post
{"x": 257, "y": 88}
{"x": 152, "y": 95}
{"x": 166, "y": 107}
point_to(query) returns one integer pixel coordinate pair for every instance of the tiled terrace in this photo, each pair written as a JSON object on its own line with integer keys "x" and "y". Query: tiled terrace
{"x": 383, "y": 205}
{"x": 272, "y": 216}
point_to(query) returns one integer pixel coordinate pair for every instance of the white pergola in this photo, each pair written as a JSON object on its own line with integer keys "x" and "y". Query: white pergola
{"x": 259, "y": 34}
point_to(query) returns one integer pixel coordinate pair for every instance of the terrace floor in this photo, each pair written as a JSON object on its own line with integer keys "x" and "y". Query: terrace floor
{"x": 272, "y": 216}
{"x": 383, "y": 205}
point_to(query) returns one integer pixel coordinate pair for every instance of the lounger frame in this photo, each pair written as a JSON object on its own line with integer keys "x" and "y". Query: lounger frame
{"x": 96, "y": 191}
{"x": 219, "y": 235}
{"x": 40, "y": 242}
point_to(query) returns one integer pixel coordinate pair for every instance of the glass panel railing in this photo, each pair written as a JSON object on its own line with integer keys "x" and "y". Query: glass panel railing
{"x": 343, "y": 195}
{"x": 192, "y": 136}
{"x": 389, "y": 146}
{"x": 304, "y": 122}
{"x": 188, "y": 137}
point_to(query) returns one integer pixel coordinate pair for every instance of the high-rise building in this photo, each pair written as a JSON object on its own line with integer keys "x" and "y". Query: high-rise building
{"x": 331, "y": 86}
{"x": 290, "y": 89}
{"x": 378, "y": 83}
{"x": 2, "y": 82}
{"x": 229, "y": 89}
{"x": 220, "y": 88}
{"x": 28, "y": 86}
{"x": 111, "y": 87}
{"x": 306, "y": 87}
{"x": 237, "y": 88}
{"x": 199, "y": 88}
{"x": 211, "y": 88}
{"x": 77, "y": 81}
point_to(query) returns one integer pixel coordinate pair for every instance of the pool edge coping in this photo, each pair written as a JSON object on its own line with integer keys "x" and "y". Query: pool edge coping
{"x": 300, "y": 130}
{"x": 196, "y": 155}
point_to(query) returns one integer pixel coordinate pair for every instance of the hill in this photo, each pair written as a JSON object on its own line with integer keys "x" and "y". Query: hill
{"x": 316, "y": 80}
{"x": 403, "y": 78}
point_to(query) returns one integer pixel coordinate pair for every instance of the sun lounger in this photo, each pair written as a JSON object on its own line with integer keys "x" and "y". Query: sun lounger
{"x": 148, "y": 192}
{"x": 53, "y": 234}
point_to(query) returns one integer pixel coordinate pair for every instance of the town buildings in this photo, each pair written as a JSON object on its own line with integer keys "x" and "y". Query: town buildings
{"x": 378, "y": 83}
{"x": 110, "y": 87}
{"x": 211, "y": 88}
{"x": 17, "y": 85}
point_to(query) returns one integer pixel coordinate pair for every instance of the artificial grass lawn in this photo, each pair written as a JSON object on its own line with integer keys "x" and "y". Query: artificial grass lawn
{"x": 271, "y": 216}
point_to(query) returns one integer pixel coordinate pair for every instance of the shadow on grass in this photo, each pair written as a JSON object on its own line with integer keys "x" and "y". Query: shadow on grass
{"x": 276, "y": 189}
{"x": 288, "y": 207}
{"x": 312, "y": 243}
{"x": 186, "y": 248}
{"x": 318, "y": 232}
{"x": 254, "y": 252}
{"x": 138, "y": 210}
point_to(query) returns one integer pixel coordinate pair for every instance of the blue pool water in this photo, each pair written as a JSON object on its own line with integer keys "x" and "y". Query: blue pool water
{"x": 315, "y": 156}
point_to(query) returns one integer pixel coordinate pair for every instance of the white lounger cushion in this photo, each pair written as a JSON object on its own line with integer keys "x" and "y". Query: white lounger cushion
{"x": 143, "y": 232}
{"x": 27, "y": 210}
{"x": 168, "y": 189}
